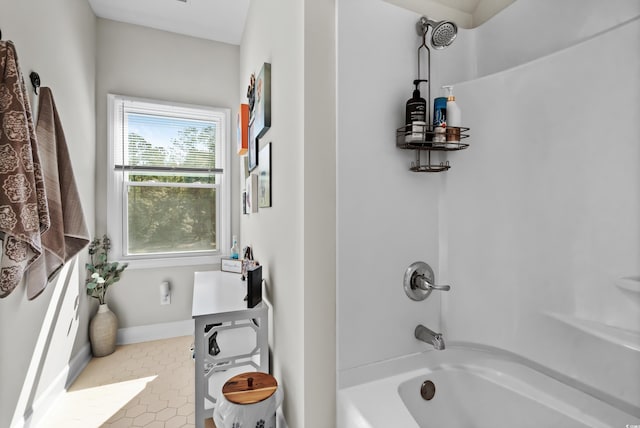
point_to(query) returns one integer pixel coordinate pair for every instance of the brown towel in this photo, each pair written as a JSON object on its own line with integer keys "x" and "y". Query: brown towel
{"x": 68, "y": 233}
{"x": 23, "y": 204}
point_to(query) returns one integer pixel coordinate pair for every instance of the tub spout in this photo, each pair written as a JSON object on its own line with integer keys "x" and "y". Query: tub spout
{"x": 429, "y": 336}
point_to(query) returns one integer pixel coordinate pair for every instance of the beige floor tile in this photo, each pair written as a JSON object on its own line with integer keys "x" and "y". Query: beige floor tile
{"x": 136, "y": 411}
{"x": 155, "y": 424}
{"x": 186, "y": 409}
{"x": 157, "y": 406}
{"x": 144, "y": 419}
{"x": 121, "y": 423}
{"x": 148, "y": 384}
{"x": 166, "y": 414}
{"x": 121, "y": 414}
{"x": 176, "y": 422}
{"x": 177, "y": 402}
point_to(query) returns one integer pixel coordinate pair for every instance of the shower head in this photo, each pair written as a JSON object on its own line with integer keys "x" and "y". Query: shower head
{"x": 443, "y": 33}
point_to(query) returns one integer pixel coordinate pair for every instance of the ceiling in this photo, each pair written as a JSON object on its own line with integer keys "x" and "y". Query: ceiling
{"x": 465, "y": 13}
{"x": 221, "y": 20}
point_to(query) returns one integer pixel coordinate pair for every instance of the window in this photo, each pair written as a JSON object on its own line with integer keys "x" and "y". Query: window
{"x": 168, "y": 196}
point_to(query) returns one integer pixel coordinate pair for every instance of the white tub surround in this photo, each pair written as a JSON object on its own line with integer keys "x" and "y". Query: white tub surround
{"x": 536, "y": 228}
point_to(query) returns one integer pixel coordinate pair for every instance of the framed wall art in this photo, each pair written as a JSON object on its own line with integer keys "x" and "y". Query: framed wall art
{"x": 244, "y": 202}
{"x": 252, "y": 193}
{"x": 253, "y": 147}
{"x": 244, "y": 168}
{"x": 242, "y": 136}
{"x": 264, "y": 177}
{"x": 262, "y": 107}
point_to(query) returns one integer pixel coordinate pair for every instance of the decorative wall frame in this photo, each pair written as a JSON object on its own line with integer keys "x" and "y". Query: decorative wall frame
{"x": 251, "y": 92}
{"x": 242, "y": 137}
{"x": 244, "y": 202}
{"x": 262, "y": 107}
{"x": 264, "y": 177}
{"x": 253, "y": 147}
{"x": 252, "y": 193}
{"x": 244, "y": 168}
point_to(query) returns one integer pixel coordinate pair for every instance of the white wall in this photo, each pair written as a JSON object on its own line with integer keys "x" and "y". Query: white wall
{"x": 295, "y": 238}
{"x": 147, "y": 63}
{"x": 320, "y": 213}
{"x": 56, "y": 39}
{"x": 387, "y": 215}
{"x": 274, "y": 34}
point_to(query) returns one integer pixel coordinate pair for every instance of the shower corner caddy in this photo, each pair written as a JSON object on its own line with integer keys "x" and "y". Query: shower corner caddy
{"x": 409, "y": 139}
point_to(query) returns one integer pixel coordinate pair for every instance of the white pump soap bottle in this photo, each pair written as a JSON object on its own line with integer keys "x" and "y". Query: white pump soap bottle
{"x": 454, "y": 118}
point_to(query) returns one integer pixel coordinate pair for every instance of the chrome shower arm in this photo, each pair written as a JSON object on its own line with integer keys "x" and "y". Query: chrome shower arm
{"x": 443, "y": 33}
{"x": 428, "y": 98}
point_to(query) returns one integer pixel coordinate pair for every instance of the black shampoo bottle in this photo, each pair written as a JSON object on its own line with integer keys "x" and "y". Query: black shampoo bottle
{"x": 416, "y": 110}
{"x": 416, "y": 115}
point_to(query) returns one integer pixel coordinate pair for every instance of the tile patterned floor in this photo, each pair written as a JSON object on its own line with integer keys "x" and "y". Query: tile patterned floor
{"x": 148, "y": 384}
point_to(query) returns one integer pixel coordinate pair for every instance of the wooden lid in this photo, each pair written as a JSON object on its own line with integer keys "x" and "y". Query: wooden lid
{"x": 249, "y": 388}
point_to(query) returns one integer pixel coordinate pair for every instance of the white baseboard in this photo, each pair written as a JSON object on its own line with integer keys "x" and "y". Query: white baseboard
{"x": 145, "y": 333}
{"x": 78, "y": 363}
{"x": 66, "y": 377}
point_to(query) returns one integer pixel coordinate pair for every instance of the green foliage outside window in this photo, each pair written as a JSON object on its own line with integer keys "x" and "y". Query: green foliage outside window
{"x": 169, "y": 218}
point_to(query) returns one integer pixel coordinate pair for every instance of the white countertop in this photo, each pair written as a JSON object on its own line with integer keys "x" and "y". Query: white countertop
{"x": 217, "y": 292}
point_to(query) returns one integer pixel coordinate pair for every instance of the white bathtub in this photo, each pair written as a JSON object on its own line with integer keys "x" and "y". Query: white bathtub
{"x": 474, "y": 389}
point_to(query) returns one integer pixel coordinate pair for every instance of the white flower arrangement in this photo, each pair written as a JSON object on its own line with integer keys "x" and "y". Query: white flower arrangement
{"x": 103, "y": 273}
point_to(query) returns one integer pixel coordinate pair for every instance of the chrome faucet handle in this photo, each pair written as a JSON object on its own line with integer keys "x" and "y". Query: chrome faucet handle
{"x": 419, "y": 281}
{"x": 423, "y": 283}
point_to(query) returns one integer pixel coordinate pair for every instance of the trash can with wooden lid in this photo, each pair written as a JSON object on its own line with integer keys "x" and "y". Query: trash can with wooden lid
{"x": 248, "y": 400}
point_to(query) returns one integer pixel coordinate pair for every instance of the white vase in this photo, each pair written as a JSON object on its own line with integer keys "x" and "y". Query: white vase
{"x": 102, "y": 332}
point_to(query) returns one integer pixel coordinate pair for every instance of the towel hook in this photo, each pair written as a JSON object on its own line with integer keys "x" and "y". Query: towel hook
{"x": 35, "y": 81}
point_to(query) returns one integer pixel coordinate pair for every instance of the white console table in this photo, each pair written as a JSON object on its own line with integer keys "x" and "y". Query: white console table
{"x": 219, "y": 307}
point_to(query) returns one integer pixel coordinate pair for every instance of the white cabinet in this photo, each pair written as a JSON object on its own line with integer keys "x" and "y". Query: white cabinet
{"x": 222, "y": 318}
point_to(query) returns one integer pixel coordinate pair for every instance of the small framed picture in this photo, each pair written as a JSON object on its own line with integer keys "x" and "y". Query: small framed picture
{"x": 244, "y": 202}
{"x": 253, "y": 147}
{"x": 264, "y": 177}
{"x": 244, "y": 168}
{"x": 263, "y": 100}
{"x": 242, "y": 136}
{"x": 252, "y": 193}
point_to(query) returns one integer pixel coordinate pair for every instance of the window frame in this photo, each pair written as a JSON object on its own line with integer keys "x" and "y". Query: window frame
{"x": 116, "y": 208}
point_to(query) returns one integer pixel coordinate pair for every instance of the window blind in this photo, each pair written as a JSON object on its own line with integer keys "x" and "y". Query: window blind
{"x": 159, "y": 138}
